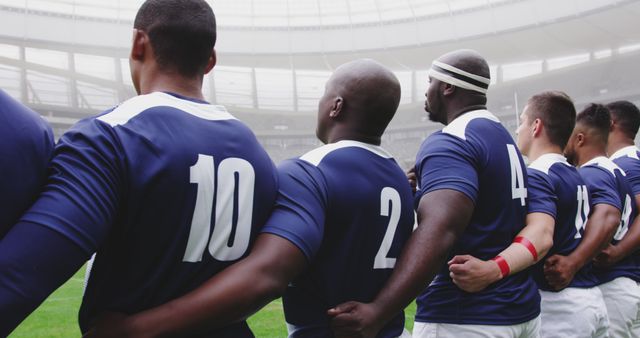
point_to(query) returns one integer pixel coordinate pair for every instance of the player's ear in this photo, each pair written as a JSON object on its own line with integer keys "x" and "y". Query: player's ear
{"x": 138, "y": 45}
{"x": 336, "y": 107}
{"x": 580, "y": 139}
{"x": 212, "y": 61}
{"x": 448, "y": 89}
{"x": 537, "y": 127}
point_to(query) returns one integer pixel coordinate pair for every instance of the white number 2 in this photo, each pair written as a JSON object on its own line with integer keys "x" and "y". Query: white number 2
{"x": 624, "y": 221}
{"x": 202, "y": 174}
{"x": 388, "y": 196}
{"x": 583, "y": 210}
{"x": 518, "y": 191}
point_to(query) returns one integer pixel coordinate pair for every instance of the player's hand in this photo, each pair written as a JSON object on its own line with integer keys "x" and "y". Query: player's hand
{"x": 472, "y": 274}
{"x": 608, "y": 257}
{"x": 413, "y": 179}
{"x": 559, "y": 271}
{"x": 111, "y": 325}
{"x": 355, "y": 320}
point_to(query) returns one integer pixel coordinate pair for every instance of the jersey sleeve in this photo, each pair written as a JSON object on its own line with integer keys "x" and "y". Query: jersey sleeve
{"x": 602, "y": 187}
{"x": 542, "y": 196}
{"x": 65, "y": 225}
{"x": 84, "y": 186}
{"x": 446, "y": 162}
{"x": 299, "y": 213}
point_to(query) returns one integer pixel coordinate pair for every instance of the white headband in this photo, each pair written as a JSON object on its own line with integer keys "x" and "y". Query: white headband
{"x": 458, "y": 77}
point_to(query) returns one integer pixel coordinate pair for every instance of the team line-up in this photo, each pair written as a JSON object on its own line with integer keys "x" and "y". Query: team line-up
{"x": 194, "y": 228}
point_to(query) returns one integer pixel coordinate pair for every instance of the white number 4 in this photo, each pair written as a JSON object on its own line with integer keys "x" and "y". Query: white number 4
{"x": 518, "y": 191}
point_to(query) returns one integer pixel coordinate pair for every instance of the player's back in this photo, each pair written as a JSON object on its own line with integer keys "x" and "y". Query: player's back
{"x": 556, "y": 188}
{"x": 365, "y": 217}
{"x": 608, "y": 184}
{"x": 475, "y": 155}
{"x": 26, "y": 146}
{"x": 181, "y": 188}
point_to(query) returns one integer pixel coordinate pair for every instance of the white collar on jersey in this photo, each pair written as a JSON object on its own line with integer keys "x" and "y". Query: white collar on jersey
{"x": 544, "y": 162}
{"x": 315, "y": 156}
{"x": 606, "y": 163}
{"x": 629, "y": 151}
{"x": 458, "y": 126}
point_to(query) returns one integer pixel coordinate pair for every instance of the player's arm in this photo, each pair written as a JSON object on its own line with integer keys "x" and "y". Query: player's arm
{"x": 532, "y": 243}
{"x": 599, "y": 229}
{"x": 62, "y": 229}
{"x": 629, "y": 244}
{"x": 442, "y": 217}
{"x": 228, "y": 297}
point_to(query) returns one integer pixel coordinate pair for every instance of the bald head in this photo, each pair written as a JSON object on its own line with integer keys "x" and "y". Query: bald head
{"x": 467, "y": 60}
{"x": 368, "y": 95}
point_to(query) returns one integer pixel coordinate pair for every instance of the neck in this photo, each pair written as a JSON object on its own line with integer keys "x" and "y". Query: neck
{"x": 540, "y": 148}
{"x": 589, "y": 153}
{"x": 173, "y": 83}
{"x": 343, "y": 135}
{"x": 456, "y": 112}
{"x": 617, "y": 142}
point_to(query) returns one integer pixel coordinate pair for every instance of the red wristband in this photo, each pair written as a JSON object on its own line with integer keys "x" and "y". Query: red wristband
{"x": 527, "y": 244}
{"x": 503, "y": 265}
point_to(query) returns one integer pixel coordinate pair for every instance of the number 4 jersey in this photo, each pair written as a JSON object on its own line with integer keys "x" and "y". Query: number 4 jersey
{"x": 347, "y": 207}
{"x": 168, "y": 190}
{"x": 476, "y": 156}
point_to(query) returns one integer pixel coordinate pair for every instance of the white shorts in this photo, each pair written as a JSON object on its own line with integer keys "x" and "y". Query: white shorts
{"x": 528, "y": 329}
{"x": 573, "y": 312}
{"x": 622, "y": 297}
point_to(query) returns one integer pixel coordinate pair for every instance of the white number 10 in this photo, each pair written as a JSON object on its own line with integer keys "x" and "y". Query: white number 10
{"x": 234, "y": 175}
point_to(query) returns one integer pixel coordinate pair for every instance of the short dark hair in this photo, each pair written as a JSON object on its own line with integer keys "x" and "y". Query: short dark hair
{"x": 596, "y": 117}
{"x": 627, "y": 116}
{"x": 182, "y": 33}
{"x": 557, "y": 112}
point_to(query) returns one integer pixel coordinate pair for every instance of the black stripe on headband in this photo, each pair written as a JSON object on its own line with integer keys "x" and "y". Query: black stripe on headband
{"x": 461, "y": 77}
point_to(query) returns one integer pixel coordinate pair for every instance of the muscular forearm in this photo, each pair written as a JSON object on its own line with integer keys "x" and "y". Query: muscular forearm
{"x": 230, "y": 296}
{"x": 598, "y": 232}
{"x": 539, "y": 232}
{"x": 442, "y": 216}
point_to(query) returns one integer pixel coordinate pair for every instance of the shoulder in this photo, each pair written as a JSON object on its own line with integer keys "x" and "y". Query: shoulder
{"x": 461, "y": 125}
{"x": 604, "y": 164}
{"x": 133, "y": 107}
{"x": 343, "y": 150}
{"x": 544, "y": 163}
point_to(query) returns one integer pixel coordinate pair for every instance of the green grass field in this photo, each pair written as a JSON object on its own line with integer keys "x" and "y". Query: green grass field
{"x": 57, "y": 316}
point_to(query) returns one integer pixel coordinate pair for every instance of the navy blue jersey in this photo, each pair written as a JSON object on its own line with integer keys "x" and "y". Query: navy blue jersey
{"x": 26, "y": 145}
{"x": 608, "y": 184}
{"x": 169, "y": 191}
{"x": 476, "y": 156}
{"x": 628, "y": 159}
{"x": 557, "y": 189}
{"x": 348, "y": 207}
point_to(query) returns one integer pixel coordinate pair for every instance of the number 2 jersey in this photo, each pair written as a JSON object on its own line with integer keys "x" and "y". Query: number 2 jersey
{"x": 168, "y": 190}
{"x": 557, "y": 189}
{"x": 475, "y": 155}
{"x": 608, "y": 184}
{"x": 348, "y": 207}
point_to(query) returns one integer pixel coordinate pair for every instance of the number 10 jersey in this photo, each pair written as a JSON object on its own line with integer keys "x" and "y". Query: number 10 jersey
{"x": 168, "y": 190}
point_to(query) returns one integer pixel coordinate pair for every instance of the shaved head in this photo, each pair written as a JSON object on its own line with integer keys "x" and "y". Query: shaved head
{"x": 369, "y": 94}
{"x": 468, "y": 60}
